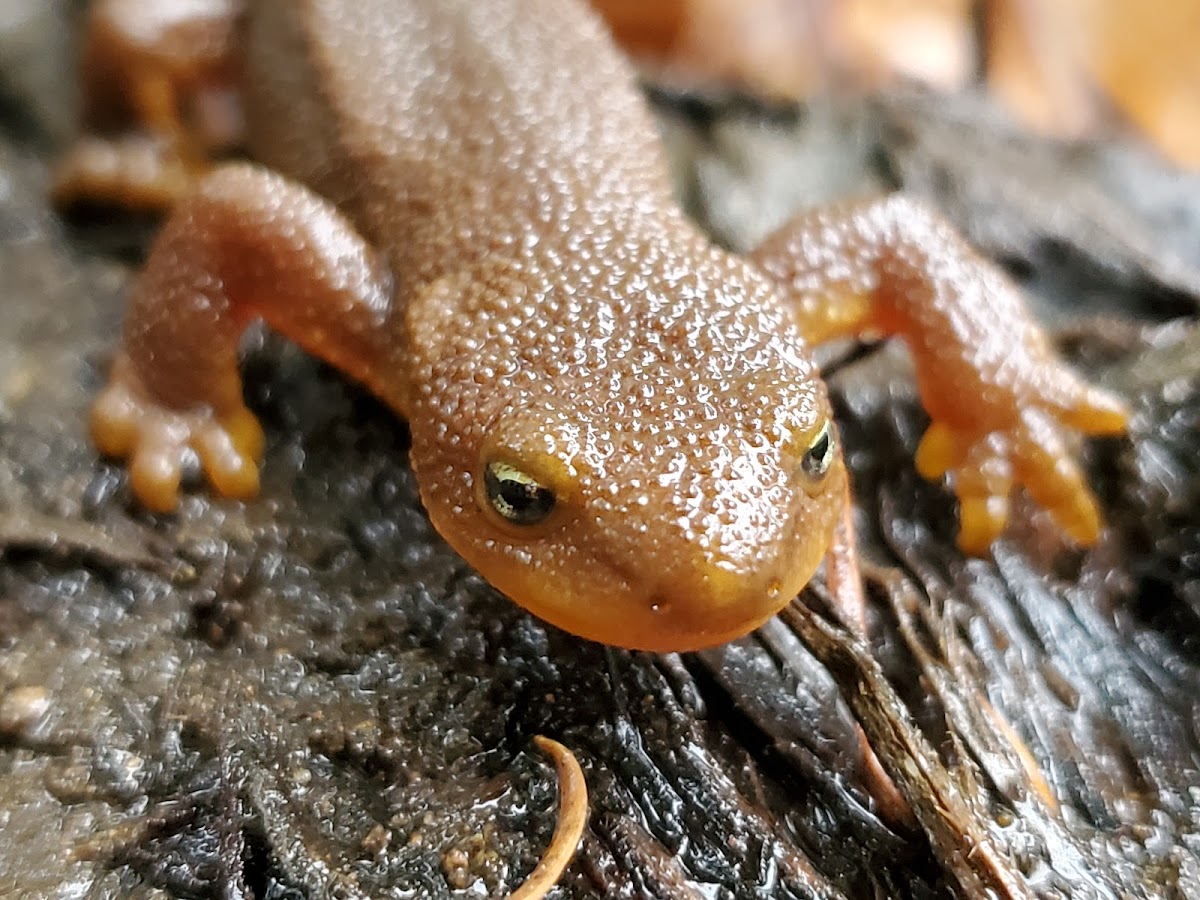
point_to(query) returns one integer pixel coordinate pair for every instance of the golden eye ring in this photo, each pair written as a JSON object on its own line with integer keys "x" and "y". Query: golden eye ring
{"x": 515, "y": 495}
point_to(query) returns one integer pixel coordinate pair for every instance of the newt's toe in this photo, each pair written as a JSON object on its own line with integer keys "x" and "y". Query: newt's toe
{"x": 155, "y": 473}
{"x": 113, "y": 422}
{"x": 229, "y": 452}
{"x": 940, "y": 451}
{"x": 981, "y": 521}
{"x": 1051, "y": 474}
{"x": 1093, "y": 410}
{"x": 983, "y": 481}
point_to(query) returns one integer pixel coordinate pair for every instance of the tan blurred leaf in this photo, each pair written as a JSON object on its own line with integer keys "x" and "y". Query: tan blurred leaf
{"x": 1064, "y": 67}
{"x": 930, "y": 41}
{"x": 1148, "y": 60}
{"x": 774, "y": 48}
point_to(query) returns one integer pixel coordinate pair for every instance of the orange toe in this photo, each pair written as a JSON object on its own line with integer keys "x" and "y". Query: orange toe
{"x": 155, "y": 474}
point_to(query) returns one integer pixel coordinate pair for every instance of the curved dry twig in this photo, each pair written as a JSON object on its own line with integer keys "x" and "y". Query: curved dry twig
{"x": 572, "y": 817}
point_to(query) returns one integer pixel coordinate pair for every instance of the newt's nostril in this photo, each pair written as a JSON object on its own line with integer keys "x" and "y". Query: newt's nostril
{"x": 659, "y": 604}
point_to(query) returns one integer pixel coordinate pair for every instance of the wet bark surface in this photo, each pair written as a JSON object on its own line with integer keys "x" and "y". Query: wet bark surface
{"x": 310, "y": 695}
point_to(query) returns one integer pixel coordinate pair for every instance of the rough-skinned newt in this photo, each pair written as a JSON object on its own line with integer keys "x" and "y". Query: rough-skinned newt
{"x": 463, "y": 206}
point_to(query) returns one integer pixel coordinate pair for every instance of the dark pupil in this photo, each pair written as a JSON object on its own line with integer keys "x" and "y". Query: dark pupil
{"x": 526, "y": 499}
{"x": 816, "y": 460}
{"x": 520, "y": 500}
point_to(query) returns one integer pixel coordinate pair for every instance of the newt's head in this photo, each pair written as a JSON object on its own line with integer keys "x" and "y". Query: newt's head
{"x": 656, "y": 470}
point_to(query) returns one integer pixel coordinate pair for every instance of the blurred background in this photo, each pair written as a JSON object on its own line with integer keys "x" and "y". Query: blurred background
{"x": 1063, "y": 68}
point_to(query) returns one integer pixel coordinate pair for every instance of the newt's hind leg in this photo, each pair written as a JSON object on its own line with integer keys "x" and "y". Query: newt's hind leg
{"x": 246, "y": 243}
{"x": 1001, "y": 401}
{"x": 158, "y": 101}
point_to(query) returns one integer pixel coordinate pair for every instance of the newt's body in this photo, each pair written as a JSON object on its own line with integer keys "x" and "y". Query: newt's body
{"x": 462, "y": 205}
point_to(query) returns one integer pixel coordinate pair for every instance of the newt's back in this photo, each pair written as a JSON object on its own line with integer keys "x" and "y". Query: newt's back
{"x": 449, "y": 124}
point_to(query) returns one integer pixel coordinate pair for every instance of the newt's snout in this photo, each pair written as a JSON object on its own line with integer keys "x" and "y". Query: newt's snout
{"x": 713, "y": 604}
{"x": 700, "y": 594}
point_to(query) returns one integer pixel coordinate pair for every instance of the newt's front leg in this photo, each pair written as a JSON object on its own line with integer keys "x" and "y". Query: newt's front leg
{"x": 246, "y": 243}
{"x": 1000, "y": 400}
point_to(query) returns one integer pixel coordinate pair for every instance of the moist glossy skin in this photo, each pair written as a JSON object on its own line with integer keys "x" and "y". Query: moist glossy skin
{"x": 464, "y": 207}
{"x": 668, "y": 401}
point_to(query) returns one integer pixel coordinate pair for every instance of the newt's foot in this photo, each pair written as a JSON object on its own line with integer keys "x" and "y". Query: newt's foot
{"x": 139, "y": 172}
{"x": 128, "y": 423}
{"x": 1032, "y": 452}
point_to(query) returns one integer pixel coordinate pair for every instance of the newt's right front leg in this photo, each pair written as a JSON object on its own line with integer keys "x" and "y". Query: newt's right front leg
{"x": 1002, "y": 404}
{"x": 247, "y": 243}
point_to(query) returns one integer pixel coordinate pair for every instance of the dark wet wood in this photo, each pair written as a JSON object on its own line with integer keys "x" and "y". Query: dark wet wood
{"x": 311, "y": 693}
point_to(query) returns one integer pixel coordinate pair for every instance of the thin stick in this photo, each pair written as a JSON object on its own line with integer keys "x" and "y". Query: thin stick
{"x": 572, "y": 817}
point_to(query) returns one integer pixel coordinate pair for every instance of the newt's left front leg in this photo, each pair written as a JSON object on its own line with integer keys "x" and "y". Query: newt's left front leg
{"x": 1000, "y": 399}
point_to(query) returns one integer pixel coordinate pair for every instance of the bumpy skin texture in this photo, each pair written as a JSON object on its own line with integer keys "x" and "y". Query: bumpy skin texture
{"x": 464, "y": 207}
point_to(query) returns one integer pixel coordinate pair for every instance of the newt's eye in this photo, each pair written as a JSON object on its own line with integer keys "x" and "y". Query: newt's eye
{"x": 820, "y": 453}
{"x": 516, "y": 496}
